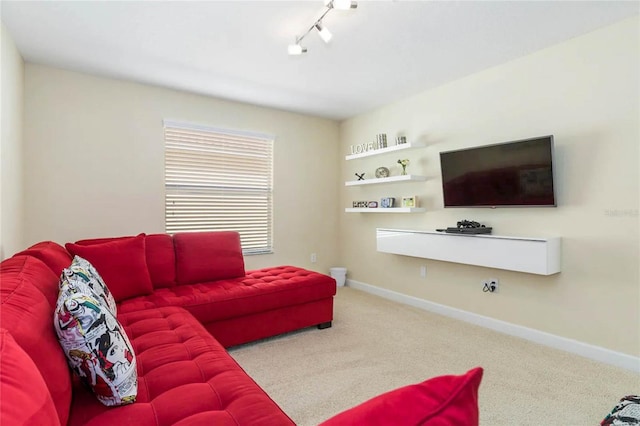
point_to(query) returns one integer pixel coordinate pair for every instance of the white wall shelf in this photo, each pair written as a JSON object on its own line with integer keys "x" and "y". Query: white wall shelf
{"x": 386, "y": 210}
{"x": 391, "y": 179}
{"x": 386, "y": 150}
{"x": 532, "y": 255}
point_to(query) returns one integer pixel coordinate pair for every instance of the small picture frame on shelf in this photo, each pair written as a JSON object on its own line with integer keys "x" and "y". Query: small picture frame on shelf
{"x": 410, "y": 201}
{"x": 373, "y": 204}
{"x": 387, "y": 202}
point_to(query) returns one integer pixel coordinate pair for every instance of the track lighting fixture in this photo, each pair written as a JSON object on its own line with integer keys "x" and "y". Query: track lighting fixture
{"x": 323, "y": 32}
{"x": 341, "y": 4}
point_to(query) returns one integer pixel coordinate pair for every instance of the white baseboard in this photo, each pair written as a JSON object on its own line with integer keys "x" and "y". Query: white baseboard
{"x": 586, "y": 350}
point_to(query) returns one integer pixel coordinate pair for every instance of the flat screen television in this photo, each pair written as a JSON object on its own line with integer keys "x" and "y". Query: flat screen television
{"x": 510, "y": 174}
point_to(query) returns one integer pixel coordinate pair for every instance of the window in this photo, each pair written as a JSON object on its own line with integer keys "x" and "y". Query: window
{"x": 219, "y": 180}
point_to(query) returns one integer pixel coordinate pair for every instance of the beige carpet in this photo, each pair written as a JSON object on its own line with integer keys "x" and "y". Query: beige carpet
{"x": 376, "y": 345}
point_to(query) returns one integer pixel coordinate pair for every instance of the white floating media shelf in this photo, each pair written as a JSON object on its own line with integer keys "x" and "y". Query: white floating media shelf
{"x": 392, "y": 179}
{"x": 385, "y": 210}
{"x": 388, "y": 149}
{"x": 532, "y": 255}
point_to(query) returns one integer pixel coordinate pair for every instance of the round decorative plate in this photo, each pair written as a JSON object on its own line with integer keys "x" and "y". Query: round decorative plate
{"x": 382, "y": 172}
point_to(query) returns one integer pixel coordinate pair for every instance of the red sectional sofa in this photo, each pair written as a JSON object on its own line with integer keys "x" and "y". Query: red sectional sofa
{"x": 197, "y": 301}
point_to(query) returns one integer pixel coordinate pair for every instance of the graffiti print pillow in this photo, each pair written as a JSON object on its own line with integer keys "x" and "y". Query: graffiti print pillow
{"x": 82, "y": 277}
{"x": 626, "y": 413}
{"x": 97, "y": 348}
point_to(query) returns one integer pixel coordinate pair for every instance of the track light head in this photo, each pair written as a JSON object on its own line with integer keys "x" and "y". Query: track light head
{"x": 323, "y": 32}
{"x": 296, "y": 49}
{"x": 341, "y": 4}
{"x": 344, "y": 4}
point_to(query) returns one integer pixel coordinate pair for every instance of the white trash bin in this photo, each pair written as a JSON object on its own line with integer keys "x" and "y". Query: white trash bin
{"x": 340, "y": 275}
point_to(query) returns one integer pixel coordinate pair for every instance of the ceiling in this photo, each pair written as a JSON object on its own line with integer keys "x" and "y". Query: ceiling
{"x": 381, "y": 52}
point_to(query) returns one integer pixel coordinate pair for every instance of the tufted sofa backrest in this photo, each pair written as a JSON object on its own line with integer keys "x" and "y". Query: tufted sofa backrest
{"x": 188, "y": 257}
{"x": 52, "y": 254}
{"x": 28, "y": 293}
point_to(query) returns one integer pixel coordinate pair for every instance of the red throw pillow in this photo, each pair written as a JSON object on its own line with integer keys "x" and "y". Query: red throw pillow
{"x": 121, "y": 263}
{"x": 25, "y": 397}
{"x": 161, "y": 257}
{"x": 208, "y": 256}
{"x": 444, "y": 400}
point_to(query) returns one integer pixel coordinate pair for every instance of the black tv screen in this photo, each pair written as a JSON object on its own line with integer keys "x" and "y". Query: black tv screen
{"x": 509, "y": 174}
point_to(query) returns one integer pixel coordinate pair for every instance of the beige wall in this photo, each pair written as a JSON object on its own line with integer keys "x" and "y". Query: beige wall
{"x": 586, "y": 93}
{"x": 95, "y": 162}
{"x": 11, "y": 189}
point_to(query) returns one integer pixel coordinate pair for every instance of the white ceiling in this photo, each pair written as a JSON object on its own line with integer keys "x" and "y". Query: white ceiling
{"x": 381, "y": 52}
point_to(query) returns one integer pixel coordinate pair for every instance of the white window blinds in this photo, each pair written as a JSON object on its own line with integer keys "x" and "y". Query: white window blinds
{"x": 219, "y": 180}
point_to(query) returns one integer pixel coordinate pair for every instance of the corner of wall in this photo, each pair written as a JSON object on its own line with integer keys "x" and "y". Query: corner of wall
{"x": 11, "y": 146}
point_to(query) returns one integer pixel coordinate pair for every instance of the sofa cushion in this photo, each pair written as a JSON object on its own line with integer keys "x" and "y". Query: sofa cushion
{"x": 161, "y": 260}
{"x": 31, "y": 272}
{"x": 28, "y": 292}
{"x": 25, "y": 397}
{"x": 122, "y": 263}
{"x": 97, "y": 348}
{"x": 52, "y": 254}
{"x": 444, "y": 400}
{"x": 185, "y": 377}
{"x": 261, "y": 290}
{"x": 160, "y": 256}
{"x": 208, "y": 256}
{"x": 82, "y": 277}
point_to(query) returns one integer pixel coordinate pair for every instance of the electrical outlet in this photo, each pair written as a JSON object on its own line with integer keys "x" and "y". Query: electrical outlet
{"x": 314, "y": 258}
{"x": 490, "y": 285}
{"x": 423, "y": 271}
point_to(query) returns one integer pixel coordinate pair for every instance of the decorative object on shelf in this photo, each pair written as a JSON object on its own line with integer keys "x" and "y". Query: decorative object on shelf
{"x": 382, "y": 172}
{"x": 404, "y": 163}
{"x": 387, "y": 202}
{"x": 467, "y": 227}
{"x": 400, "y": 140}
{"x": 381, "y": 140}
{"x": 373, "y": 204}
{"x": 359, "y": 204}
{"x": 360, "y": 176}
{"x": 362, "y": 148}
{"x": 323, "y": 32}
{"x": 469, "y": 224}
{"x": 410, "y": 201}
